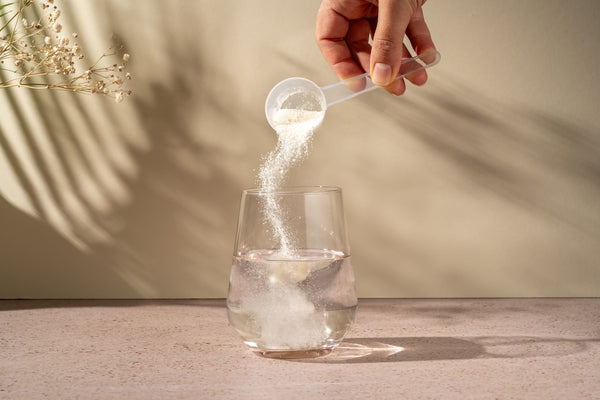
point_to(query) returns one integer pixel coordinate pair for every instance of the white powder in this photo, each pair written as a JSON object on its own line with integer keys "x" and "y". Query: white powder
{"x": 286, "y": 318}
{"x": 284, "y": 313}
{"x": 294, "y": 129}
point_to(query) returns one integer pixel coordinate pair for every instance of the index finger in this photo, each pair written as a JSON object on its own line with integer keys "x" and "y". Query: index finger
{"x": 331, "y": 30}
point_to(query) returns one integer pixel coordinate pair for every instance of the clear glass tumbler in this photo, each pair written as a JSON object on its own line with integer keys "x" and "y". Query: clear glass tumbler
{"x": 291, "y": 289}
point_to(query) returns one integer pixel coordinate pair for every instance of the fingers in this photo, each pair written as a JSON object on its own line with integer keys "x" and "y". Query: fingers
{"x": 420, "y": 39}
{"x": 398, "y": 86}
{"x": 357, "y": 40}
{"x": 331, "y": 32}
{"x": 418, "y": 33}
{"x": 397, "y": 18}
{"x": 386, "y": 54}
{"x": 342, "y": 34}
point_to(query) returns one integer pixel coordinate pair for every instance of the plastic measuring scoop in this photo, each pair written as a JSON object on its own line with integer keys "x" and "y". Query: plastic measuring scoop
{"x": 304, "y": 94}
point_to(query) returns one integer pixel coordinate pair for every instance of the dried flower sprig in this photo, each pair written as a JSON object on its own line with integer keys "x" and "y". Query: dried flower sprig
{"x": 34, "y": 54}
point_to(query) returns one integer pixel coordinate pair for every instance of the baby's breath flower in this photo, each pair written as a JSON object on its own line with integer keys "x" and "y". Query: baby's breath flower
{"x": 43, "y": 59}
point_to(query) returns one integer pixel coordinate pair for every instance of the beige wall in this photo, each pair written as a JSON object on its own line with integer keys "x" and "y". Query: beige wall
{"x": 485, "y": 182}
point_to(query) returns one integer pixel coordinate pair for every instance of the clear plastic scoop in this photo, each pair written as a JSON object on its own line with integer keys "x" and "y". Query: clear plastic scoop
{"x": 304, "y": 94}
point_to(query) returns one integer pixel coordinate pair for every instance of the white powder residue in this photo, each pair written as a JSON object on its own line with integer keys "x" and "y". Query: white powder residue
{"x": 294, "y": 129}
{"x": 287, "y": 319}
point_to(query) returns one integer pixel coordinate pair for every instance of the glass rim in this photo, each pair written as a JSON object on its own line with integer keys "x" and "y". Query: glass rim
{"x": 294, "y": 190}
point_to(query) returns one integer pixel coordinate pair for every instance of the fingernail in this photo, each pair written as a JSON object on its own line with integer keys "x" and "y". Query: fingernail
{"x": 382, "y": 73}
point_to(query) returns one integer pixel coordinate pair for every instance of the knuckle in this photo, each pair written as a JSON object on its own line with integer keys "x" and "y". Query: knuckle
{"x": 384, "y": 47}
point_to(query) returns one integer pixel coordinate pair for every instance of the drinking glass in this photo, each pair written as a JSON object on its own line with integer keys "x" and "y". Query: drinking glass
{"x": 291, "y": 288}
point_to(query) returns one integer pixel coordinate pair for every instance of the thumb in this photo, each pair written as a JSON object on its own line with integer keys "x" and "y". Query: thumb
{"x": 386, "y": 54}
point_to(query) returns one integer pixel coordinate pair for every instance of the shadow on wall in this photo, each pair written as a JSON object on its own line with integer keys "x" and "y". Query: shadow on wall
{"x": 475, "y": 197}
{"x": 172, "y": 238}
{"x": 532, "y": 158}
{"x": 144, "y": 208}
{"x": 144, "y": 205}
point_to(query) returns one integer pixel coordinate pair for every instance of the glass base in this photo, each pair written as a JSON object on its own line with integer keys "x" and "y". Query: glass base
{"x": 293, "y": 354}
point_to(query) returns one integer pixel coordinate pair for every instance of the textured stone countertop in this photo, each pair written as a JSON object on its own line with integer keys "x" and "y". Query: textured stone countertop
{"x": 399, "y": 348}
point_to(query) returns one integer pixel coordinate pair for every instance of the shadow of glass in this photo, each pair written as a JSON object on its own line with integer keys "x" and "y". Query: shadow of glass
{"x": 376, "y": 350}
{"x": 402, "y": 349}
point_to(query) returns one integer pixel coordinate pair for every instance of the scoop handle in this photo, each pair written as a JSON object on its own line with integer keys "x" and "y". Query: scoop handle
{"x": 352, "y": 87}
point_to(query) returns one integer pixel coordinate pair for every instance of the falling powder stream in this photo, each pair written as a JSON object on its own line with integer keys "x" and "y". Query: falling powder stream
{"x": 294, "y": 128}
{"x": 285, "y": 315}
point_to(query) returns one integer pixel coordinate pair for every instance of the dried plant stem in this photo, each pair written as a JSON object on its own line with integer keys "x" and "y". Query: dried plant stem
{"x": 35, "y": 55}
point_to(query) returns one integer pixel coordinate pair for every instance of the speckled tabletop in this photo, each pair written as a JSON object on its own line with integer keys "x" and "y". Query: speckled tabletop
{"x": 399, "y": 348}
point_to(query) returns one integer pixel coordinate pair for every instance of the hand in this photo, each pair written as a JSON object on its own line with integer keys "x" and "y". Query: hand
{"x": 343, "y": 29}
